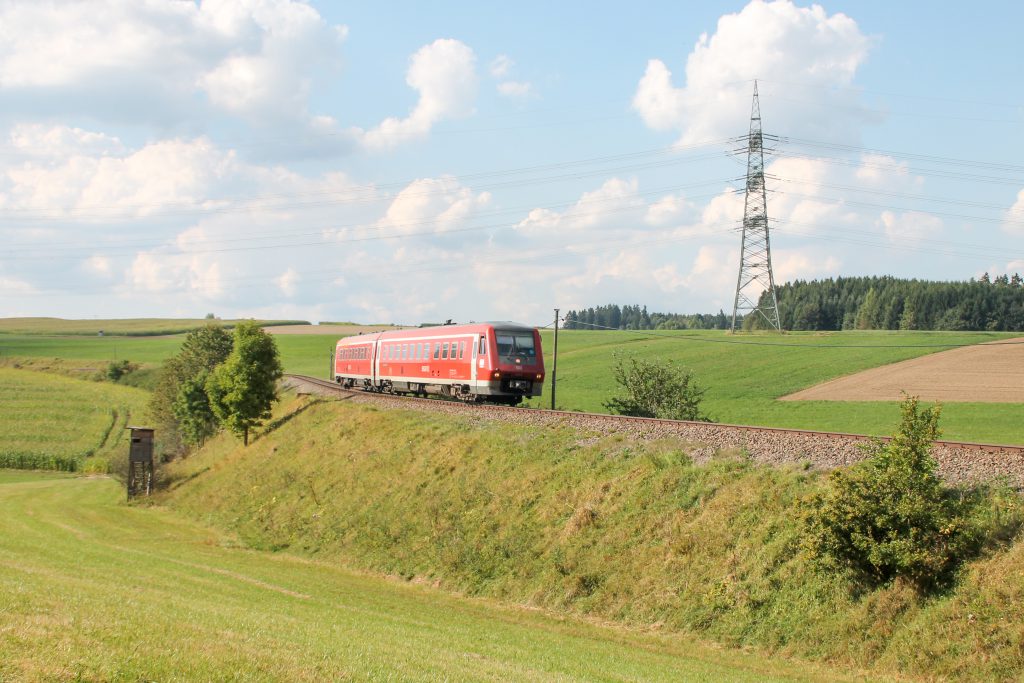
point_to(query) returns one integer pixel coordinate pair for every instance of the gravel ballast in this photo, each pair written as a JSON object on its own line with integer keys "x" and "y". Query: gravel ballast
{"x": 957, "y": 464}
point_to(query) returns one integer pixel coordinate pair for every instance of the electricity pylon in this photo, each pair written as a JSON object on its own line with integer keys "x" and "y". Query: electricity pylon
{"x": 756, "y": 253}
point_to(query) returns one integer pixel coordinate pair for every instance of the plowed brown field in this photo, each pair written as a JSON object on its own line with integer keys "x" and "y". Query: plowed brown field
{"x": 987, "y": 373}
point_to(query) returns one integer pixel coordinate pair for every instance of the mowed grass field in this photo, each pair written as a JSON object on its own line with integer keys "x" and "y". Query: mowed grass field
{"x": 94, "y": 589}
{"x": 46, "y": 415}
{"x": 743, "y": 374}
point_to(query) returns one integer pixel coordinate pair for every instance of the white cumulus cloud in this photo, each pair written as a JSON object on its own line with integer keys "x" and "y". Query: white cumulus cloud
{"x": 1014, "y": 219}
{"x": 431, "y": 205}
{"x": 608, "y": 206}
{"x": 444, "y": 75}
{"x": 121, "y": 60}
{"x": 288, "y": 282}
{"x": 775, "y": 41}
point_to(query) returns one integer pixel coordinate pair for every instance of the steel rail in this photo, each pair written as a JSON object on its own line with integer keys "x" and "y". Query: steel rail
{"x": 629, "y": 419}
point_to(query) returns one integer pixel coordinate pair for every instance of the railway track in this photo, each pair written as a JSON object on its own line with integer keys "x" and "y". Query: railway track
{"x": 958, "y": 461}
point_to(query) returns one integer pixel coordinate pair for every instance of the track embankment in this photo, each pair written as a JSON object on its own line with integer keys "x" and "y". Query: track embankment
{"x": 958, "y": 462}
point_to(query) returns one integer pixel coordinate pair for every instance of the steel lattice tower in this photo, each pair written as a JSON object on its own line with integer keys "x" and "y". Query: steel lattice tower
{"x": 755, "y": 274}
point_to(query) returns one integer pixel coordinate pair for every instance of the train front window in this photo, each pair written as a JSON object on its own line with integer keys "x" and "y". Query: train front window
{"x": 512, "y": 344}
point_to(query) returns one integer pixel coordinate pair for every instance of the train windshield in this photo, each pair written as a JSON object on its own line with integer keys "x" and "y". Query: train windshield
{"x": 515, "y": 344}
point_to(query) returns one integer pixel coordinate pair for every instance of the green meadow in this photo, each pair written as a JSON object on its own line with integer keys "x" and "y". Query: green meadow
{"x": 743, "y": 374}
{"x": 92, "y": 589}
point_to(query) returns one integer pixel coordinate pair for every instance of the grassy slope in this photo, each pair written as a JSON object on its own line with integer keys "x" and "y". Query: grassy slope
{"x": 89, "y": 417}
{"x": 614, "y": 530}
{"x": 92, "y": 589}
{"x": 743, "y": 380}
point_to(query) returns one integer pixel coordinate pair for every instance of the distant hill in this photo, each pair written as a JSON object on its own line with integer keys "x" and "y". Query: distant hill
{"x": 128, "y": 327}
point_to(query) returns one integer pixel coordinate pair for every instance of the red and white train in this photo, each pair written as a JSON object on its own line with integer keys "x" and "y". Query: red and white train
{"x": 495, "y": 362}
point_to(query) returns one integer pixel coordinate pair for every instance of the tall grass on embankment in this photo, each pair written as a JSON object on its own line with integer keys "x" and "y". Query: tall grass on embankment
{"x": 50, "y": 422}
{"x": 603, "y": 527}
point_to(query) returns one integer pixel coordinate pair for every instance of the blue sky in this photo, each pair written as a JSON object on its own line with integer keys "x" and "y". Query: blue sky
{"x": 408, "y": 162}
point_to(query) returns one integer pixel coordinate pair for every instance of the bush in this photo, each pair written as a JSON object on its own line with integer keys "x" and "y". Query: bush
{"x": 655, "y": 389}
{"x": 889, "y": 517}
{"x": 118, "y": 369}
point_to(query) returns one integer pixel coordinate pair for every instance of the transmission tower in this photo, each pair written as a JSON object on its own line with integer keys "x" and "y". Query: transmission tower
{"x": 755, "y": 253}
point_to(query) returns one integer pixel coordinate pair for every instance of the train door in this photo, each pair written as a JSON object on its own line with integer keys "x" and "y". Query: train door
{"x": 375, "y": 362}
{"x": 474, "y": 342}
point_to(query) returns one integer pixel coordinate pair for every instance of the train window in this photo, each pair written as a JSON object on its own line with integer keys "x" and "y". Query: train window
{"x": 405, "y": 351}
{"x": 437, "y": 351}
{"x": 483, "y": 346}
{"x": 419, "y": 351}
{"x": 444, "y": 351}
{"x": 512, "y": 344}
{"x": 462, "y": 349}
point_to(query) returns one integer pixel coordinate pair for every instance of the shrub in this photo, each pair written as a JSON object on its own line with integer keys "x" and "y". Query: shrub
{"x": 889, "y": 517}
{"x": 654, "y": 389}
{"x": 118, "y": 369}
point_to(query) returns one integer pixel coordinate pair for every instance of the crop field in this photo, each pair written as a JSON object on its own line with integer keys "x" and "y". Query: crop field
{"x": 93, "y": 589}
{"x": 125, "y": 327}
{"x": 45, "y": 416}
{"x": 744, "y": 375}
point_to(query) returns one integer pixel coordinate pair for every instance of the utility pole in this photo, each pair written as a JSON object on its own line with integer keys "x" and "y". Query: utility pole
{"x": 755, "y": 274}
{"x": 554, "y": 363}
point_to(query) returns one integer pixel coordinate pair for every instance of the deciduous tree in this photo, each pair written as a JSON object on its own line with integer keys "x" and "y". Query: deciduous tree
{"x": 243, "y": 388}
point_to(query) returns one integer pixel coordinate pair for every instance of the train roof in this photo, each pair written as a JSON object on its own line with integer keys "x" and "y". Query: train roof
{"x": 438, "y": 330}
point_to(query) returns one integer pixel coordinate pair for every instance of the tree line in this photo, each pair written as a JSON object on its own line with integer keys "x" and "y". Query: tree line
{"x": 617, "y": 317}
{"x": 888, "y": 303}
{"x": 846, "y": 303}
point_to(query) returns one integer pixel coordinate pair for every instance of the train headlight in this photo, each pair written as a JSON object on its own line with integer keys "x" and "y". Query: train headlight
{"x": 496, "y": 375}
{"x": 539, "y": 376}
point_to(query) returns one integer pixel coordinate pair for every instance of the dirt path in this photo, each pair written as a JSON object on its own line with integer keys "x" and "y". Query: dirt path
{"x": 986, "y": 373}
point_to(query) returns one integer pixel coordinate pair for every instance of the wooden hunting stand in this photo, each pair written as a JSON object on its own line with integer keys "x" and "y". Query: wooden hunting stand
{"x": 140, "y": 462}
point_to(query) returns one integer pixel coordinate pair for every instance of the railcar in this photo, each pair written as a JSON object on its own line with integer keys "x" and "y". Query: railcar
{"x": 496, "y": 362}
